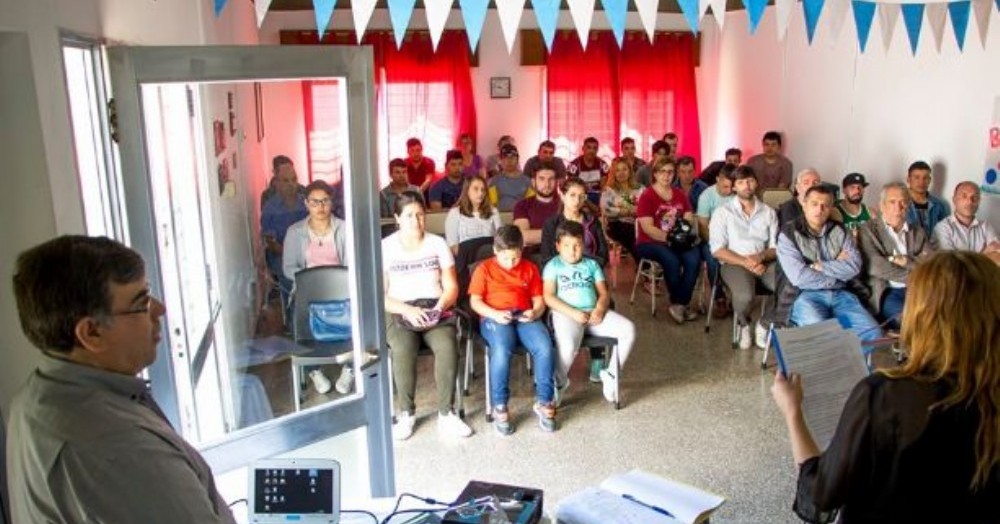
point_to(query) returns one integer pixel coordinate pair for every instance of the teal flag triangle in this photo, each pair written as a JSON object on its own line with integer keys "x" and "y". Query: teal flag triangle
{"x": 615, "y": 11}
{"x": 864, "y": 13}
{"x": 400, "y": 12}
{"x": 812, "y": 9}
{"x": 219, "y": 4}
{"x": 691, "y": 13}
{"x": 547, "y": 14}
{"x": 959, "y": 12}
{"x": 324, "y": 11}
{"x": 755, "y": 10}
{"x": 473, "y": 17}
{"x": 913, "y": 18}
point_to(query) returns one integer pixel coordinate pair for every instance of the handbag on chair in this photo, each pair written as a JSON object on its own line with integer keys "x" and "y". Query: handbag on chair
{"x": 330, "y": 320}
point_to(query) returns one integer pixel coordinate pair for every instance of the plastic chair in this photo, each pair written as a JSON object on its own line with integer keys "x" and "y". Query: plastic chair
{"x": 775, "y": 197}
{"x": 759, "y": 291}
{"x": 651, "y": 271}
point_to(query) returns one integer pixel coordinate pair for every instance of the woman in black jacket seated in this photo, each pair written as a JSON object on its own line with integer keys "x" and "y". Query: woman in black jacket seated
{"x": 574, "y": 207}
{"x": 920, "y": 443}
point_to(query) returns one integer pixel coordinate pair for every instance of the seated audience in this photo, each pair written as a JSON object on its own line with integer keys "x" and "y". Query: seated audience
{"x": 891, "y": 249}
{"x": 773, "y": 170}
{"x": 531, "y": 213}
{"x": 445, "y": 192}
{"x": 588, "y": 167}
{"x": 278, "y": 164}
{"x": 686, "y": 180}
{"x": 577, "y": 293}
{"x": 285, "y": 208}
{"x": 473, "y": 217}
{"x": 710, "y": 200}
{"x": 574, "y": 208}
{"x": 791, "y": 210}
{"x": 506, "y": 292}
{"x": 494, "y": 161}
{"x": 628, "y": 155}
{"x": 743, "y": 235}
{"x": 86, "y": 441}
{"x": 918, "y": 443}
{"x": 472, "y": 163}
{"x": 710, "y": 174}
{"x": 962, "y": 230}
{"x": 659, "y": 151}
{"x": 660, "y": 209}
{"x": 926, "y": 209}
{"x": 546, "y": 156}
{"x": 397, "y": 185}
{"x": 672, "y": 141}
{"x": 419, "y": 169}
{"x": 618, "y": 201}
{"x": 853, "y": 211}
{"x": 421, "y": 288}
{"x": 819, "y": 258}
{"x": 508, "y": 185}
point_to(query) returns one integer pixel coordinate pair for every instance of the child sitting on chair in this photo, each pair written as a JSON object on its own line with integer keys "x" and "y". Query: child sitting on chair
{"x": 506, "y": 291}
{"x": 577, "y": 293}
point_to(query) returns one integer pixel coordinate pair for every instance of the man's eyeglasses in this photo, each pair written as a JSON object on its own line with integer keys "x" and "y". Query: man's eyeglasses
{"x": 314, "y": 202}
{"x": 142, "y": 308}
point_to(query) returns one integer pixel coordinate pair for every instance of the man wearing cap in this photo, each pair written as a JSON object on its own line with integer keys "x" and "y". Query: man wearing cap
{"x": 509, "y": 185}
{"x": 853, "y": 211}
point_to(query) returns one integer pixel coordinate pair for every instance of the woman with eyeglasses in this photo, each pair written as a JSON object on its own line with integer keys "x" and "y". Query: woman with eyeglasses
{"x": 318, "y": 239}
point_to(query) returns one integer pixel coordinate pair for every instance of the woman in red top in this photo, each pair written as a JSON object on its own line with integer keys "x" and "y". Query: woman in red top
{"x": 658, "y": 210}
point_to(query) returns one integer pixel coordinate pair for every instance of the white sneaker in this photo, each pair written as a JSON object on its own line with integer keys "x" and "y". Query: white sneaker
{"x": 746, "y": 339}
{"x": 760, "y": 335}
{"x": 677, "y": 313}
{"x": 452, "y": 426}
{"x": 610, "y": 385}
{"x": 346, "y": 380}
{"x": 320, "y": 381}
{"x": 403, "y": 428}
{"x": 558, "y": 392}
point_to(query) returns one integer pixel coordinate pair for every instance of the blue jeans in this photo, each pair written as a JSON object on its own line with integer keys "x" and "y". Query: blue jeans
{"x": 712, "y": 265}
{"x": 812, "y": 306}
{"x": 503, "y": 340}
{"x": 892, "y": 306}
{"x": 680, "y": 284}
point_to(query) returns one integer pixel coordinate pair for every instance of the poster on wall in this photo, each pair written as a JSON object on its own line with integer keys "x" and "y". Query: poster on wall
{"x": 991, "y": 175}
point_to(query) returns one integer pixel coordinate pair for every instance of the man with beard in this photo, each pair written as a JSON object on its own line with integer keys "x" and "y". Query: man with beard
{"x": 531, "y": 213}
{"x": 853, "y": 211}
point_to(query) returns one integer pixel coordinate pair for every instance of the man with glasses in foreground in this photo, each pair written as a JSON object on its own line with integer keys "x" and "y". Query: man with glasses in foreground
{"x": 87, "y": 442}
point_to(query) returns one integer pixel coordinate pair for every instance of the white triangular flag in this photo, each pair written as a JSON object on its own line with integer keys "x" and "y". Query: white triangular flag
{"x": 719, "y": 11}
{"x": 437, "y": 12}
{"x": 937, "y": 15}
{"x": 647, "y": 14}
{"x": 836, "y": 13}
{"x": 510, "y": 12}
{"x": 888, "y": 15}
{"x": 261, "y": 7}
{"x": 582, "y": 12}
{"x": 703, "y": 8}
{"x": 361, "y": 12}
{"x": 982, "y": 10}
{"x": 783, "y": 13}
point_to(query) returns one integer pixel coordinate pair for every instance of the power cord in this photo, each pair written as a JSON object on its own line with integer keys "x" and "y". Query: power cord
{"x": 237, "y": 501}
{"x": 441, "y": 506}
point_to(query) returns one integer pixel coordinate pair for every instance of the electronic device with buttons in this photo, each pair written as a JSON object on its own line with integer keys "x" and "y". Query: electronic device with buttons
{"x": 305, "y": 491}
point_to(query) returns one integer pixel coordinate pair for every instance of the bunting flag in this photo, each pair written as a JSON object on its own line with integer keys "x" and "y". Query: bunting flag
{"x": 510, "y": 19}
{"x": 690, "y": 10}
{"x": 913, "y": 18}
{"x": 437, "y": 12}
{"x": 324, "y": 12}
{"x": 219, "y": 4}
{"x": 755, "y": 10}
{"x": 811, "y": 9}
{"x": 718, "y": 11}
{"x": 647, "y": 14}
{"x": 959, "y": 12}
{"x": 547, "y": 14}
{"x": 582, "y": 12}
{"x": 982, "y": 10}
{"x": 836, "y": 14}
{"x": 783, "y": 13}
{"x": 703, "y": 8}
{"x": 261, "y": 7}
{"x": 361, "y": 12}
{"x": 888, "y": 15}
{"x": 400, "y": 12}
{"x": 473, "y": 18}
{"x": 615, "y": 11}
{"x": 937, "y": 15}
{"x": 864, "y": 13}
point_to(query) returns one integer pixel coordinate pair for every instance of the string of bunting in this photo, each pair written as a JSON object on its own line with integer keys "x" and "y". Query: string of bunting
{"x": 546, "y": 12}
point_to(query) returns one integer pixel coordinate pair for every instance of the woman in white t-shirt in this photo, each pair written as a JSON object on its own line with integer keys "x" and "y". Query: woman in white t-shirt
{"x": 473, "y": 217}
{"x": 420, "y": 290}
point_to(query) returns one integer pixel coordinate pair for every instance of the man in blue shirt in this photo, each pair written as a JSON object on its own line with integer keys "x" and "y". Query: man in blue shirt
{"x": 285, "y": 208}
{"x": 445, "y": 192}
{"x": 925, "y": 209}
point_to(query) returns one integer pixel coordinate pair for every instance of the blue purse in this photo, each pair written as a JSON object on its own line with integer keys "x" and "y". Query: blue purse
{"x": 330, "y": 320}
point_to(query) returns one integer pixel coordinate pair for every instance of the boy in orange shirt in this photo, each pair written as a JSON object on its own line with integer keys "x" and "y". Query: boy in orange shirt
{"x": 506, "y": 292}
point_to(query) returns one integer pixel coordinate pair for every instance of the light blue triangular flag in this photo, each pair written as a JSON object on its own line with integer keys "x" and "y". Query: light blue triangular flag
{"x": 998, "y": 5}
{"x": 547, "y": 14}
{"x": 324, "y": 11}
{"x": 691, "y": 13}
{"x": 959, "y": 12}
{"x": 615, "y": 11}
{"x": 755, "y": 10}
{"x": 812, "y": 9}
{"x": 219, "y": 4}
{"x": 913, "y": 18}
{"x": 473, "y": 17}
{"x": 400, "y": 12}
{"x": 864, "y": 13}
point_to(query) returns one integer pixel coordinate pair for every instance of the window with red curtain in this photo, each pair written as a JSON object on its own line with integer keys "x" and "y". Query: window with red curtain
{"x": 642, "y": 91}
{"x": 326, "y": 132}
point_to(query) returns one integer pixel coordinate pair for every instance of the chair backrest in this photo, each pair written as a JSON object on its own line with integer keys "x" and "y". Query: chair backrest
{"x": 434, "y": 222}
{"x": 776, "y": 197}
{"x": 316, "y": 284}
{"x": 507, "y": 217}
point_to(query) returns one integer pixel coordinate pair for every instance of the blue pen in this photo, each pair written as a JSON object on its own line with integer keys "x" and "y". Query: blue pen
{"x": 778, "y": 355}
{"x": 657, "y": 509}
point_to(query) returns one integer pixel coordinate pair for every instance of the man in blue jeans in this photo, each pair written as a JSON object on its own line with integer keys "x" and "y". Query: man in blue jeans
{"x": 821, "y": 262}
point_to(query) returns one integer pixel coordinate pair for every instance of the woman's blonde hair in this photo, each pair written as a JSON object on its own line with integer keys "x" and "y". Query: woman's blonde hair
{"x": 613, "y": 182}
{"x": 951, "y": 327}
{"x": 465, "y": 206}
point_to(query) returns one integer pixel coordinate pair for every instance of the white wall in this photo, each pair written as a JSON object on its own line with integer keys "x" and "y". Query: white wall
{"x": 844, "y": 111}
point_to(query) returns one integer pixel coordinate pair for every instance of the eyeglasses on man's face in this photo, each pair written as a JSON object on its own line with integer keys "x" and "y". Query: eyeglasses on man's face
{"x": 143, "y": 307}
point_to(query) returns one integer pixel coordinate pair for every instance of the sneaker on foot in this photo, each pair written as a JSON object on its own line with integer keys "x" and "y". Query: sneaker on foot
{"x": 501, "y": 420}
{"x": 677, "y": 313}
{"x": 746, "y": 339}
{"x": 546, "y": 416}
{"x": 760, "y": 335}
{"x": 610, "y": 385}
{"x": 558, "y": 392}
{"x": 403, "y": 428}
{"x": 346, "y": 380}
{"x": 320, "y": 382}
{"x": 596, "y": 365}
{"x": 449, "y": 424}
{"x": 690, "y": 314}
